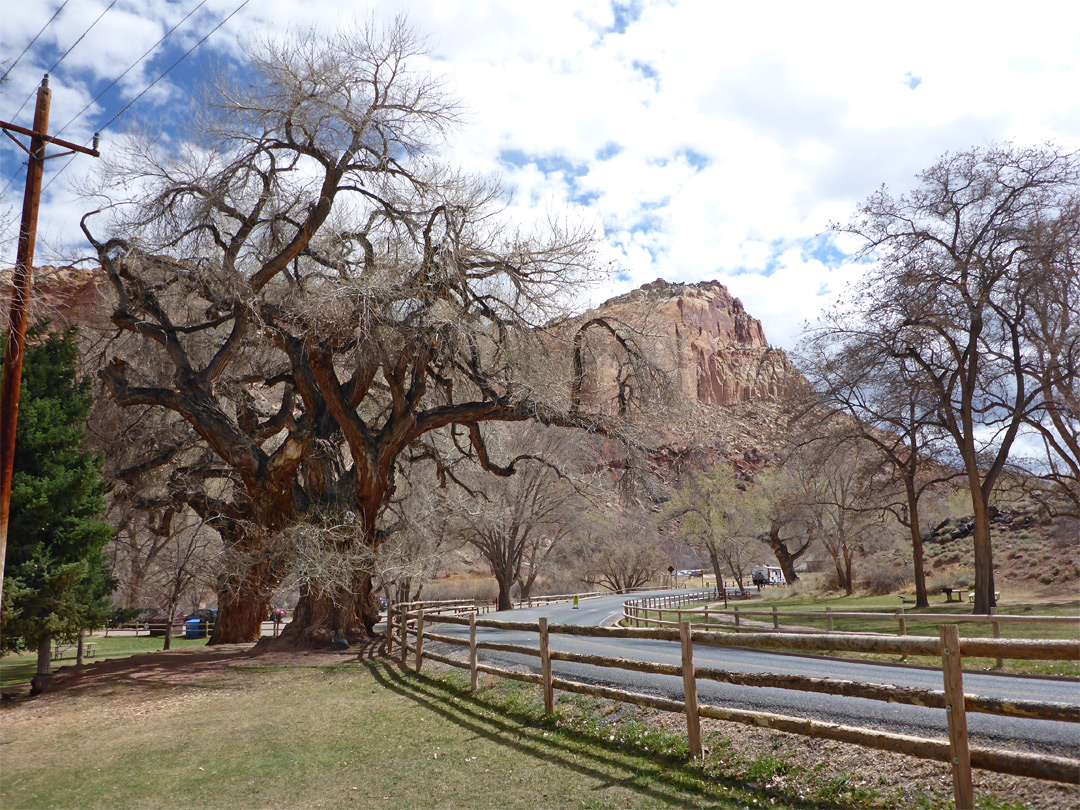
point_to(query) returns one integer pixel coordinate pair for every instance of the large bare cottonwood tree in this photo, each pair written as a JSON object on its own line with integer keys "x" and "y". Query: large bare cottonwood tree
{"x": 314, "y": 291}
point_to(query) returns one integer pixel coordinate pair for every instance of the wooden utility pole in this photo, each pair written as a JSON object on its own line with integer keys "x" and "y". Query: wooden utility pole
{"x": 21, "y": 283}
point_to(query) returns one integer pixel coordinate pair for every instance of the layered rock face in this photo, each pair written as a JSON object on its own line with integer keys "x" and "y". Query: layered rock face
{"x": 67, "y": 296}
{"x": 716, "y": 351}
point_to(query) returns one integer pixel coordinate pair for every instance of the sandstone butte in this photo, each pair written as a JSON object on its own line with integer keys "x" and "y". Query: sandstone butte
{"x": 716, "y": 351}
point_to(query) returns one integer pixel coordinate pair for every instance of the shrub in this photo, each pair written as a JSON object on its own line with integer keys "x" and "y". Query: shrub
{"x": 481, "y": 588}
{"x": 885, "y": 579}
{"x": 958, "y": 576}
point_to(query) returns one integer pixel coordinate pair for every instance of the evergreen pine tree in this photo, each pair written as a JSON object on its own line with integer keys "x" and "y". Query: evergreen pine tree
{"x": 56, "y": 578}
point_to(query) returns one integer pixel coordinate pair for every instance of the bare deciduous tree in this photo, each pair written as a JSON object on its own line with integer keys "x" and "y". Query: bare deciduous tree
{"x": 185, "y": 566}
{"x": 783, "y": 527}
{"x": 842, "y": 508}
{"x": 1052, "y": 331}
{"x": 952, "y": 294}
{"x": 519, "y": 523}
{"x": 872, "y": 397}
{"x": 626, "y": 553}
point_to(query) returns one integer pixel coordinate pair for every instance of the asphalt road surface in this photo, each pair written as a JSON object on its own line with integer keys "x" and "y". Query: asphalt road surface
{"x": 1056, "y": 738}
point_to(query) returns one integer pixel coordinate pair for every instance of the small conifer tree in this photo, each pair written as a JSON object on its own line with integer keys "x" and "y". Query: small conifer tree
{"x": 57, "y": 583}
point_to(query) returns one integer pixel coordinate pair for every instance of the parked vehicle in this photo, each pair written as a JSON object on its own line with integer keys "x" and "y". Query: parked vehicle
{"x": 200, "y": 623}
{"x": 277, "y": 613}
{"x": 381, "y": 602}
{"x": 156, "y": 620}
{"x": 763, "y": 575}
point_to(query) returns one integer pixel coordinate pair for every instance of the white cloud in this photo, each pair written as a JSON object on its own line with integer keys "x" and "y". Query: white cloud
{"x": 712, "y": 140}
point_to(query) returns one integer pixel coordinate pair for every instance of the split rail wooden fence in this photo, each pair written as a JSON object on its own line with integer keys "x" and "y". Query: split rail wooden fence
{"x": 413, "y": 621}
{"x": 651, "y": 612}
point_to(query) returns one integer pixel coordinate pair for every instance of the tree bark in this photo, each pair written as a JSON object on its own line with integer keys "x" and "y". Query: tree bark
{"x": 42, "y": 681}
{"x": 921, "y": 598}
{"x": 240, "y": 614}
{"x": 169, "y": 628}
{"x": 984, "y": 556}
{"x": 784, "y": 556}
{"x": 505, "y": 585}
{"x": 715, "y": 560}
{"x": 320, "y": 619}
{"x": 243, "y": 603}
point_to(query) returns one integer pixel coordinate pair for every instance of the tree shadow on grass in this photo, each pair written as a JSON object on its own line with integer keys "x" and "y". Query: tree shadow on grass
{"x": 667, "y": 779}
{"x": 157, "y": 670}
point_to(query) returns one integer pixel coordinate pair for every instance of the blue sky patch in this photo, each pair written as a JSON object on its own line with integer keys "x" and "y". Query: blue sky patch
{"x": 548, "y": 164}
{"x": 823, "y": 248}
{"x": 911, "y": 80}
{"x": 645, "y": 69}
{"x": 626, "y": 14}
{"x": 608, "y": 151}
{"x": 695, "y": 159}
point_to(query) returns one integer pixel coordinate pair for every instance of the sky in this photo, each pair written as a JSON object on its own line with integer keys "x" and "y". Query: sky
{"x": 708, "y": 139}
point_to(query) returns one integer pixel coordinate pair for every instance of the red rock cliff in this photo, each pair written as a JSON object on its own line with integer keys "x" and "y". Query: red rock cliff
{"x": 717, "y": 352}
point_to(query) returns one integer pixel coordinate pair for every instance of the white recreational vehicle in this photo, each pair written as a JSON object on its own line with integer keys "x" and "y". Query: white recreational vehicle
{"x": 763, "y": 575}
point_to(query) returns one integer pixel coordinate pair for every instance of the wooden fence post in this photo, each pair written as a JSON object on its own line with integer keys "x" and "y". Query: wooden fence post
{"x": 693, "y": 721}
{"x": 903, "y": 622}
{"x": 472, "y": 652}
{"x": 957, "y": 717}
{"x": 827, "y": 612}
{"x": 997, "y": 634}
{"x": 736, "y": 609}
{"x": 404, "y": 636}
{"x": 775, "y": 619}
{"x": 420, "y": 640}
{"x": 388, "y": 642}
{"x": 545, "y": 666}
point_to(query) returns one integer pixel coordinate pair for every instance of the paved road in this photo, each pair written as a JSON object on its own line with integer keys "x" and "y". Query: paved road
{"x": 1062, "y": 739}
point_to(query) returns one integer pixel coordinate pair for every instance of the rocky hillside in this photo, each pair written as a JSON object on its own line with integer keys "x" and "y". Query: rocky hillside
{"x": 65, "y": 295}
{"x": 718, "y": 351}
{"x": 727, "y": 385}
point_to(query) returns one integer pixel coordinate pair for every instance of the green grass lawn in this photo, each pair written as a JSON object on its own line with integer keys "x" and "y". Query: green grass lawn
{"x": 357, "y": 735}
{"x": 368, "y": 734}
{"x": 19, "y": 668}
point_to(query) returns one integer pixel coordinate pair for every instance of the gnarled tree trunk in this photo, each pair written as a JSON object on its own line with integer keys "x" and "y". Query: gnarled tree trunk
{"x": 320, "y": 619}
{"x": 785, "y": 557}
{"x": 505, "y": 600}
{"x": 240, "y": 617}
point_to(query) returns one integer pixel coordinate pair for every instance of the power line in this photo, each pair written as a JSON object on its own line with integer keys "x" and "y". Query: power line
{"x": 81, "y": 38}
{"x": 131, "y": 67}
{"x": 9, "y": 182}
{"x": 174, "y": 64}
{"x": 65, "y": 53}
{"x": 147, "y": 88}
{"x": 35, "y": 39}
{"x": 103, "y": 92}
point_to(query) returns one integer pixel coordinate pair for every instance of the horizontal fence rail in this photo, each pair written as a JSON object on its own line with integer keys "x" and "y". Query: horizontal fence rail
{"x": 651, "y": 612}
{"x": 956, "y": 750}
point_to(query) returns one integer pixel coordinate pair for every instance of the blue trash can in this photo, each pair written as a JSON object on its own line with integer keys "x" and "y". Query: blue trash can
{"x": 195, "y": 627}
